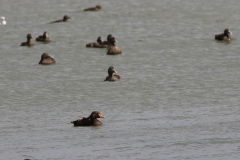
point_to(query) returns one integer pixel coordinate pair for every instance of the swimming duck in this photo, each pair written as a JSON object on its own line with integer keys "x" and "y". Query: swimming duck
{"x": 29, "y": 42}
{"x": 90, "y": 120}
{"x": 224, "y": 36}
{"x": 99, "y": 44}
{"x": 65, "y": 19}
{"x": 97, "y": 8}
{"x": 112, "y": 48}
{"x": 111, "y": 76}
{"x": 3, "y": 21}
{"x": 43, "y": 38}
{"x": 46, "y": 59}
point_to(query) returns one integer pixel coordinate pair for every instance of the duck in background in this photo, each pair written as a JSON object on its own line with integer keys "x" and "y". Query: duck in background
{"x": 112, "y": 48}
{"x": 29, "y": 42}
{"x": 100, "y": 43}
{"x": 3, "y": 21}
{"x": 65, "y": 19}
{"x": 46, "y": 59}
{"x": 43, "y": 38}
{"x": 226, "y": 35}
{"x": 90, "y": 120}
{"x": 97, "y": 8}
{"x": 111, "y": 76}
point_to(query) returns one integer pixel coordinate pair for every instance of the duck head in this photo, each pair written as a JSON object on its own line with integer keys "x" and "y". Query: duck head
{"x": 99, "y": 40}
{"x": 95, "y": 115}
{"x": 66, "y": 17}
{"x": 98, "y": 7}
{"x": 111, "y": 70}
{"x": 45, "y": 35}
{"x": 112, "y": 40}
{"x": 227, "y": 31}
{"x": 29, "y": 36}
{"x": 109, "y": 37}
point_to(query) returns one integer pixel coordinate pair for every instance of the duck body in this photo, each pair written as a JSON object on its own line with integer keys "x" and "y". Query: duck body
{"x": 43, "y": 38}
{"x": 111, "y": 76}
{"x": 29, "y": 42}
{"x": 65, "y": 19}
{"x": 96, "y": 45}
{"x": 97, "y": 8}
{"x": 226, "y": 35}
{"x": 89, "y": 121}
{"x": 46, "y": 59}
{"x": 112, "y": 48}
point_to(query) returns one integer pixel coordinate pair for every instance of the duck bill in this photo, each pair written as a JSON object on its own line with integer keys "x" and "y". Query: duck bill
{"x": 114, "y": 71}
{"x": 101, "y": 116}
{"x": 230, "y": 32}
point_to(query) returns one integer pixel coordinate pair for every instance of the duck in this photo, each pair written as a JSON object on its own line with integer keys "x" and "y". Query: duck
{"x": 112, "y": 48}
{"x": 65, "y": 19}
{"x": 90, "y": 120}
{"x": 111, "y": 76}
{"x": 99, "y": 44}
{"x": 97, "y": 8}
{"x": 46, "y": 59}
{"x": 226, "y": 35}
{"x": 43, "y": 38}
{"x": 29, "y": 42}
{"x": 3, "y": 21}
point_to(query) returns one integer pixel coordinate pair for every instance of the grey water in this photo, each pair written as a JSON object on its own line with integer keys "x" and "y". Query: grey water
{"x": 179, "y": 93}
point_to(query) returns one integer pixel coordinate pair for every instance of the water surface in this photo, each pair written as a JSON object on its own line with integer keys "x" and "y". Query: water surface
{"x": 179, "y": 93}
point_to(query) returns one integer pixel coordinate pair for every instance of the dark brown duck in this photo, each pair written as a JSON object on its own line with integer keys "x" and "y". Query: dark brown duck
{"x": 46, "y": 59}
{"x": 43, "y": 38}
{"x": 29, "y": 42}
{"x": 112, "y": 48}
{"x": 65, "y": 19}
{"x": 100, "y": 43}
{"x": 111, "y": 76}
{"x": 90, "y": 120}
{"x": 226, "y": 35}
{"x": 97, "y": 8}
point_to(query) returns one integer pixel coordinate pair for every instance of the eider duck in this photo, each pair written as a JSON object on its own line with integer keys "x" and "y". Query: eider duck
{"x": 97, "y": 8}
{"x": 224, "y": 36}
{"x": 112, "y": 48}
{"x": 111, "y": 76}
{"x": 65, "y": 19}
{"x": 46, "y": 59}
{"x": 89, "y": 121}
{"x": 43, "y": 38}
{"x": 3, "y": 21}
{"x": 29, "y": 42}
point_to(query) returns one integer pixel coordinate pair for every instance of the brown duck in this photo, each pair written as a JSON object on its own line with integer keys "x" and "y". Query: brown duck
{"x": 90, "y": 120}
{"x": 65, "y": 19}
{"x": 29, "y": 42}
{"x": 112, "y": 48}
{"x": 111, "y": 76}
{"x": 226, "y": 35}
{"x": 100, "y": 43}
{"x": 46, "y": 59}
{"x": 43, "y": 38}
{"x": 97, "y": 8}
